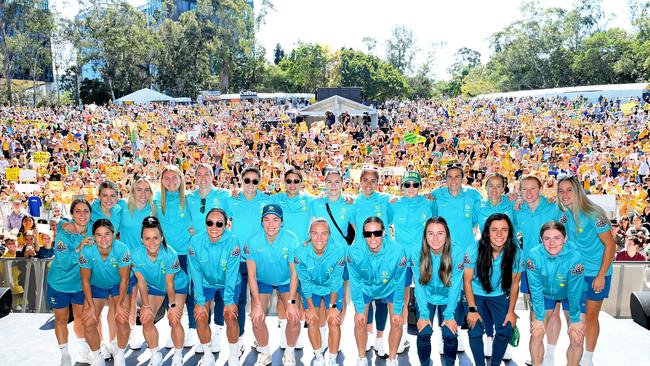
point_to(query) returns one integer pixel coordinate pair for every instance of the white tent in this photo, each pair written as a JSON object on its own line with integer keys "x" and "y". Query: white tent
{"x": 339, "y": 105}
{"x": 144, "y": 96}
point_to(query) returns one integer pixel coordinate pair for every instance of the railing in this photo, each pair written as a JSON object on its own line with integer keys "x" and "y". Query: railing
{"x": 30, "y": 276}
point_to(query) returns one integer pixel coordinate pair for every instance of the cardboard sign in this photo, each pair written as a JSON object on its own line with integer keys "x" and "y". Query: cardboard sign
{"x": 12, "y": 174}
{"x": 41, "y": 157}
{"x": 27, "y": 175}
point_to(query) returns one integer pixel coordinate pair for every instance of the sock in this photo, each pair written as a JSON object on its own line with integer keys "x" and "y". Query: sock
{"x": 206, "y": 346}
{"x": 290, "y": 349}
{"x": 588, "y": 356}
{"x": 64, "y": 349}
{"x": 178, "y": 352}
{"x": 82, "y": 344}
{"x": 154, "y": 350}
{"x": 96, "y": 354}
{"x": 234, "y": 349}
{"x": 550, "y": 350}
{"x": 120, "y": 351}
{"x": 265, "y": 349}
{"x": 333, "y": 356}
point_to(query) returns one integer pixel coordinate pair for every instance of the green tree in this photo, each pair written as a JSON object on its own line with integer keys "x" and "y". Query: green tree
{"x": 12, "y": 39}
{"x": 38, "y": 27}
{"x": 480, "y": 80}
{"x": 306, "y": 67}
{"x": 605, "y": 58}
{"x": 278, "y": 54}
{"x": 465, "y": 60}
{"x": 401, "y": 49}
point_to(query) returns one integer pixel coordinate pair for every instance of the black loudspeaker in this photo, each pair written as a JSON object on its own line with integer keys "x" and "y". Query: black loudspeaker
{"x": 5, "y": 301}
{"x": 640, "y": 308}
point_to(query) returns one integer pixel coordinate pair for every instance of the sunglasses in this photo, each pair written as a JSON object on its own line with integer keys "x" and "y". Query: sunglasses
{"x": 151, "y": 221}
{"x": 202, "y": 210}
{"x": 409, "y": 184}
{"x": 376, "y": 234}
{"x": 249, "y": 181}
{"x": 209, "y": 223}
{"x": 295, "y": 181}
{"x": 454, "y": 165}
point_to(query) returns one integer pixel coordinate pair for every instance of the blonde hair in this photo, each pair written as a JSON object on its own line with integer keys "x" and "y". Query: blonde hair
{"x": 426, "y": 271}
{"x": 531, "y": 177}
{"x": 131, "y": 204}
{"x": 163, "y": 190}
{"x": 581, "y": 203}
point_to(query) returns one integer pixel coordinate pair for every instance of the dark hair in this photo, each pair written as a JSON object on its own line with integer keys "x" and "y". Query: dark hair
{"x": 373, "y": 219}
{"x": 458, "y": 166}
{"x": 252, "y": 169}
{"x": 293, "y": 171}
{"x": 80, "y": 201}
{"x": 152, "y": 222}
{"x": 444, "y": 271}
{"x": 219, "y": 210}
{"x": 107, "y": 184}
{"x": 103, "y": 223}
{"x": 553, "y": 225}
{"x": 484, "y": 258}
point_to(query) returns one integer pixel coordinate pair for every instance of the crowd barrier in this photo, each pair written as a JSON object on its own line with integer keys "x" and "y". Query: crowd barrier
{"x": 27, "y": 278}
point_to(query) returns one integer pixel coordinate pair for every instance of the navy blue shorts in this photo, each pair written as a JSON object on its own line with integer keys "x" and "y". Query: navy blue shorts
{"x": 523, "y": 287}
{"x": 59, "y": 300}
{"x": 593, "y": 296}
{"x": 265, "y": 288}
{"x": 105, "y": 293}
{"x": 316, "y": 299}
{"x": 409, "y": 277}
{"x": 388, "y": 299}
{"x": 549, "y": 304}
{"x": 346, "y": 274}
{"x": 155, "y": 292}
{"x": 210, "y": 292}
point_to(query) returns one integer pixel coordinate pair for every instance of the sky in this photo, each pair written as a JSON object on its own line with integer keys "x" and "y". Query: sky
{"x": 344, "y": 23}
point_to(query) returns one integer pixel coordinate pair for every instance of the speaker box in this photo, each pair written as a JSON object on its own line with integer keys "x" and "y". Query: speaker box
{"x": 5, "y": 301}
{"x": 640, "y": 308}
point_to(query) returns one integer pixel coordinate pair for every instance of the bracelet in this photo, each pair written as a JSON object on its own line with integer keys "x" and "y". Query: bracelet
{"x": 146, "y": 306}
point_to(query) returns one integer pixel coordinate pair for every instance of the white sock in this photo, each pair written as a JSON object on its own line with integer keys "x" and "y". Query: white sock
{"x": 120, "y": 350}
{"x": 550, "y": 350}
{"x": 333, "y": 356}
{"x": 82, "y": 344}
{"x": 234, "y": 349}
{"x": 290, "y": 349}
{"x": 206, "y": 346}
{"x": 178, "y": 352}
{"x": 588, "y": 356}
{"x": 265, "y": 349}
{"x": 96, "y": 354}
{"x": 64, "y": 349}
{"x": 153, "y": 350}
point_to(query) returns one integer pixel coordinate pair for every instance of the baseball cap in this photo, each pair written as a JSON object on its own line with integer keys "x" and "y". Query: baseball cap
{"x": 412, "y": 176}
{"x": 272, "y": 209}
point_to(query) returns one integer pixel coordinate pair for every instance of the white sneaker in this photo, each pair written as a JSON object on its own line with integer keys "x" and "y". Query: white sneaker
{"x": 461, "y": 346}
{"x": 528, "y": 362}
{"x": 379, "y": 348}
{"x": 66, "y": 360}
{"x": 318, "y": 359}
{"x": 546, "y": 362}
{"x": 257, "y": 347}
{"x": 135, "y": 339}
{"x": 233, "y": 361}
{"x": 177, "y": 359}
{"x": 392, "y": 362}
{"x": 289, "y": 358}
{"x": 403, "y": 345}
{"x": 441, "y": 345}
{"x": 85, "y": 357}
{"x": 198, "y": 348}
{"x": 190, "y": 338}
{"x": 215, "y": 344}
{"x": 369, "y": 341}
{"x": 169, "y": 343}
{"x": 207, "y": 359}
{"x": 156, "y": 359}
{"x": 507, "y": 356}
{"x": 585, "y": 362}
{"x": 332, "y": 362}
{"x": 242, "y": 348}
{"x": 487, "y": 347}
{"x": 105, "y": 351}
{"x": 263, "y": 359}
{"x": 362, "y": 362}
{"x": 98, "y": 361}
{"x": 118, "y": 359}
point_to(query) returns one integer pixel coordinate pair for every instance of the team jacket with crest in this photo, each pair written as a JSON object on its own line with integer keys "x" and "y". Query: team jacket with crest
{"x": 377, "y": 275}
{"x": 408, "y": 216}
{"x": 435, "y": 292}
{"x": 105, "y": 273}
{"x": 528, "y": 223}
{"x": 64, "y": 275}
{"x": 155, "y": 272}
{"x": 585, "y": 236}
{"x": 458, "y": 211}
{"x": 272, "y": 259}
{"x": 214, "y": 265}
{"x": 557, "y": 278}
{"x": 320, "y": 275}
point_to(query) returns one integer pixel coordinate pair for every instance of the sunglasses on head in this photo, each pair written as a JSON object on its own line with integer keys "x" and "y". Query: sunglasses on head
{"x": 202, "y": 210}
{"x": 376, "y": 234}
{"x": 249, "y": 181}
{"x": 454, "y": 165}
{"x": 409, "y": 184}
{"x": 294, "y": 181}
{"x": 209, "y": 223}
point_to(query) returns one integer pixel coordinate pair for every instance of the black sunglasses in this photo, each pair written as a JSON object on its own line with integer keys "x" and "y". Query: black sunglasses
{"x": 202, "y": 210}
{"x": 409, "y": 184}
{"x": 295, "y": 181}
{"x": 209, "y": 223}
{"x": 377, "y": 234}
{"x": 249, "y": 181}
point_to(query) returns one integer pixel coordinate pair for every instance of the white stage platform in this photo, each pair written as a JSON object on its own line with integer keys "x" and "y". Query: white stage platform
{"x": 28, "y": 339}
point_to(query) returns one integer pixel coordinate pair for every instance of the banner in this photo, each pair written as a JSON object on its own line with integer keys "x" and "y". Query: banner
{"x": 42, "y": 157}
{"x": 27, "y": 175}
{"x": 413, "y": 138}
{"x": 56, "y": 186}
{"x": 12, "y": 174}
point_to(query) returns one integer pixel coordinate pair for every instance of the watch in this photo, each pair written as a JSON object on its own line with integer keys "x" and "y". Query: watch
{"x": 172, "y": 305}
{"x": 292, "y": 301}
{"x": 472, "y": 309}
{"x": 333, "y": 306}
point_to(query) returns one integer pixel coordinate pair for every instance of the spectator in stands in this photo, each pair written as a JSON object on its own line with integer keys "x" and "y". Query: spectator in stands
{"x": 45, "y": 249}
{"x": 27, "y": 224}
{"x": 15, "y": 217}
{"x": 35, "y": 203}
{"x": 645, "y": 215}
{"x": 618, "y": 234}
{"x": 29, "y": 246}
{"x": 638, "y": 229}
{"x": 5, "y": 205}
{"x": 632, "y": 251}
{"x": 624, "y": 223}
